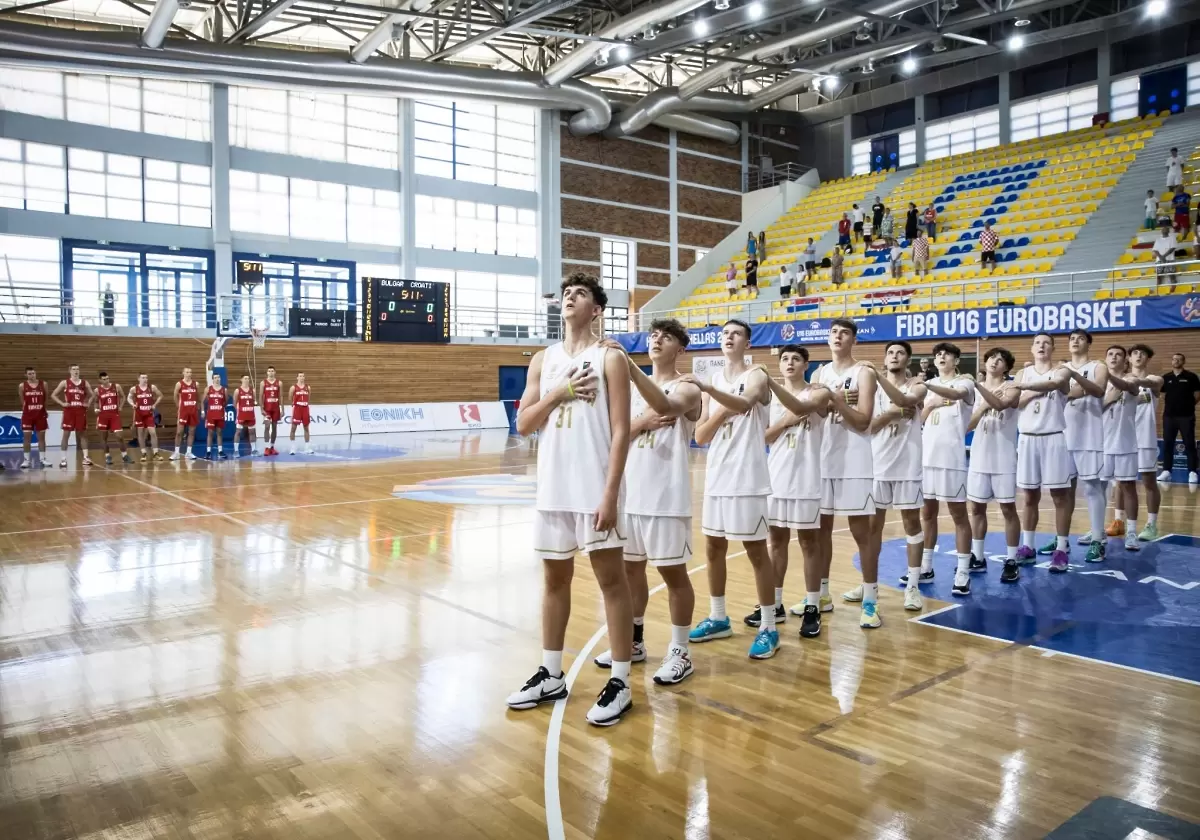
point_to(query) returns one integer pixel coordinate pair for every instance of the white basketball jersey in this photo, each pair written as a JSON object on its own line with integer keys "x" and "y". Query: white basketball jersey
{"x": 574, "y": 445}
{"x": 845, "y": 453}
{"x": 1120, "y": 434}
{"x": 1085, "y": 430}
{"x": 994, "y": 446}
{"x": 737, "y": 455}
{"x": 794, "y": 461}
{"x": 945, "y": 434}
{"x": 1043, "y": 415}
{"x": 658, "y": 476}
{"x": 1145, "y": 419}
{"x": 896, "y": 448}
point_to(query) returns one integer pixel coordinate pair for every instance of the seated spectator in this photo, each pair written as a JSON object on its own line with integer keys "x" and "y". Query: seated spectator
{"x": 731, "y": 285}
{"x": 1151, "y": 205}
{"x": 920, "y": 254}
{"x": 1164, "y": 255}
{"x": 1181, "y": 203}
{"x": 835, "y": 267}
{"x": 930, "y": 220}
{"x": 752, "y": 275}
{"x": 844, "y": 234}
{"x": 785, "y": 280}
{"x": 809, "y": 259}
{"x": 988, "y": 240}
{"x": 895, "y": 259}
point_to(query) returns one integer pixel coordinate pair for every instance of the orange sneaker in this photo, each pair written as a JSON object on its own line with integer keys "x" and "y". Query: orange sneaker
{"x": 1116, "y": 528}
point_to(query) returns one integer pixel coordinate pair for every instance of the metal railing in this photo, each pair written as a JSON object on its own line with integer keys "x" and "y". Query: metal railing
{"x": 50, "y": 305}
{"x": 759, "y": 178}
{"x": 916, "y": 295}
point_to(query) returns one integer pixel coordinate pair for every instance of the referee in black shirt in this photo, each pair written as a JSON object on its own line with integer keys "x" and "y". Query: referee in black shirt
{"x": 1181, "y": 392}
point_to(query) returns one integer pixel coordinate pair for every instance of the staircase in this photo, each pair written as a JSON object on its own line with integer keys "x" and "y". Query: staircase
{"x": 828, "y": 242}
{"x": 1107, "y": 233}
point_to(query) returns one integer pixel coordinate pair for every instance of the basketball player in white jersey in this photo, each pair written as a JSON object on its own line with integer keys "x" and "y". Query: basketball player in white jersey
{"x": 1085, "y": 441}
{"x": 658, "y": 506}
{"x": 1120, "y": 442}
{"x": 896, "y": 450}
{"x": 794, "y": 466}
{"x": 947, "y": 412}
{"x": 1147, "y": 434}
{"x": 733, "y": 423}
{"x": 992, "y": 473}
{"x": 1042, "y": 457}
{"x": 847, "y": 471}
{"x": 577, "y": 399}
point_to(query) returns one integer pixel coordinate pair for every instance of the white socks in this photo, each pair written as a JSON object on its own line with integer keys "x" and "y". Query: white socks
{"x": 977, "y": 549}
{"x": 552, "y": 662}
{"x": 1152, "y": 518}
{"x": 824, "y": 587}
{"x": 679, "y": 635}
{"x": 620, "y": 670}
{"x": 766, "y": 617}
{"x": 716, "y": 607}
{"x": 1064, "y": 543}
{"x": 1012, "y": 552}
{"x": 914, "y": 577}
{"x": 871, "y": 593}
{"x": 1027, "y": 538}
{"x": 926, "y": 559}
{"x": 1131, "y": 527}
{"x": 778, "y": 596}
{"x": 812, "y": 599}
{"x": 964, "y": 563}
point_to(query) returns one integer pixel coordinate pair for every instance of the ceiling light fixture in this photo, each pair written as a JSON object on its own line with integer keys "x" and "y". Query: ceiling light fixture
{"x": 755, "y": 10}
{"x": 701, "y": 26}
{"x": 1021, "y": 22}
{"x": 938, "y": 45}
{"x": 869, "y": 67}
{"x": 602, "y": 56}
{"x": 949, "y": 5}
{"x": 720, "y": 5}
{"x": 623, "y": 52}
{"x": 1015, "y": 42}
{"x": 1156, "y": 8}
{"x": 651, "y": 33}
{"x": 909, "y": 65}
{"x": 864, "y": 32}
{"x": 829, "y": 82}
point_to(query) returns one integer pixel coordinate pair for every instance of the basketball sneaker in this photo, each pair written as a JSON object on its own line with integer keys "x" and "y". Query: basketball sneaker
{"x": 1149, "y": 533}
{"x": 540, "y": 688}
{"x": 765, "y": 644}
{"x": 1050, "y": 547}
{"x": 191, "y": 456}
{"x": 293, "y": 451}
{"x": 604, "y": 660}
{"x": 87, "y": 462}
{"x": 913, "y": 600}
{"x": 144, "y": 458}
{"x": 710, "y": 629}
{"x": 975, "y": 565}
{"x": 1116, "y": 528}
{"x": 1193, "y": 478}
{"x": 675, "y": 668}
{"x": 308, "y": 450}
{"x": 1131, "y": 542}
{"x": 1084, "y": 539}
{"x": 126, "y": 458}
{"x": 755, "y": 618}
{"x": 826, "y": 605}
{"x": 962, "y": 584}
{"x": 1095, "y": 553}
{"x": 854, "y": 596}
{"x": 869, "y": 618}
{"x": 62, "y": 464}
{"x": 810, "y": 622}
{"x": 614, "y": 701}
{"x": 1059, "y": 562}
{"x": 1025, "y": 555}
{"x": 1011, "y": 573}
{"x": 175, "y": 455}
{"x": 24, "y": 463}
{"x": 253, "y": 453}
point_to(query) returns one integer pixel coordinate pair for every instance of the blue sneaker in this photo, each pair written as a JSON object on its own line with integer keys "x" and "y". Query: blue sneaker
{"x": 765, "y": 644}
{"x": 710, "y": 629}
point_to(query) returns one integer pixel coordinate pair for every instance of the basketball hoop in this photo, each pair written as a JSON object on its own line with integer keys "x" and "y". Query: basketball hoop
{"x": 259, "y": 337}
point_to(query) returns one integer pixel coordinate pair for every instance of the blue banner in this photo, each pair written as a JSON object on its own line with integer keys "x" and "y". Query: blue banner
{"x": 1151, "y": 313}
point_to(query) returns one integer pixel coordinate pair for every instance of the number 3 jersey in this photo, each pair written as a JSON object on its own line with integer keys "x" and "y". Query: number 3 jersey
{"x": 574, "y": 444}
{"x": 658, "y": 473}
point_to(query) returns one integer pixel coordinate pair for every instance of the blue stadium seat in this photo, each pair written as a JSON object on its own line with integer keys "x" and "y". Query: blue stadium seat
{"x": 941, "y": 264}
{"x": 952, "y": 250}
{"x": 1023, "y": 241}
{"x": 978, "y": 223}
{"x": 955, "y": 263}
{"x": 965, "y": 236}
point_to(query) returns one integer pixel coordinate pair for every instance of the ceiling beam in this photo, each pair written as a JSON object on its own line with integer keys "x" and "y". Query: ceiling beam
{"x": 528, "y": 16}
{"x": 160, "y": 21}
{"x": 266, "y": 16}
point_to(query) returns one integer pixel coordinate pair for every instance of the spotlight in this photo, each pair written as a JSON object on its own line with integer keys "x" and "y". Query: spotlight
{"x": 864, "y": 32}
{"x": 909, "y": 65}
{"x": 602, "y": 56}
{"x": 869, "y": 67}
{"x": 701, "y": 27}
{"x": 949, "y": 5}
{"x": 720, "y": 5}
{"x": 938, "y": 45}
{"x": 1155, "y": 8}
{"x": 623, "y": 52}
{"x": 755, "y": 10}
{"x": 651, "y": 33}
{"x": 1015, "y": 42}
{"x": 1021, "y": 22}
{"x": 829, "y": 82}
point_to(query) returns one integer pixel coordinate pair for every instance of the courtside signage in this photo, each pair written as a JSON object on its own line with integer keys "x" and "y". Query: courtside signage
{"x": 322, "y": 420}
{"x": 10, "y": 428}
{"x": 365, "y": 418}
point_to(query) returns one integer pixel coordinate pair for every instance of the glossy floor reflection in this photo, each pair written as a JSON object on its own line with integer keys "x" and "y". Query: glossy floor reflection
{"x": 321, "y": 650}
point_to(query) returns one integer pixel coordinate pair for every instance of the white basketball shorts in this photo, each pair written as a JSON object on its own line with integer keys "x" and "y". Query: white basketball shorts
{"x": 945, "y": 485}
{"x": 1043, "y": 461}
{"x": 659, "y": 540}
{"x": 991, "y": 487}
{"x": 741, "y": 518}
{"x": 1148, "y": 460}
{"x": 798, "y": 514}
{"x": 1087, "y": 464}
{"x": 560, "y": 535}
{"x": 898, "y": 495}
{"x": 1120, "y": 467}
{"x": 848, "y": 496}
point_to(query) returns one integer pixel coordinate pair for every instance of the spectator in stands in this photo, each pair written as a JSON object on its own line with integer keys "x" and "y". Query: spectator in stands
{"x": 856, "y": 216}
{"x": 1174, "y": 170}
{"x": 910, "y": 222}
{"x": 877, "y": 214}
{"x": 835, "y": 267}
{"x": 844, "y": 234}
{"x": 1196, "y": 239}
{"x": 1151, "y": 205}
{"x": 785, "y": 280}
{"x": 987, "y": 245}
{"x": 896, "y": 260}
{"x": 762, "y": 245}
{"x": 751, "y": 245}
{"x": 929, "y": 217}
{"x": 1164, "y": 257}
{"x": 801, "y": 285}
{"x": 752, "y": 276}
{"x": 108, "y": 305}
{"x": 731, "y": 285}
{"x": 809, "y": 258}
{"x": 1181, "y": 203}
{"x": 887, "y": 227}
{"x": 928, "y": 371}
{"x": 920, "y": 254}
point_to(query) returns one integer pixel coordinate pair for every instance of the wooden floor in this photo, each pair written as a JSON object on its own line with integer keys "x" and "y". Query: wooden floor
{"x": 289, "y": 651}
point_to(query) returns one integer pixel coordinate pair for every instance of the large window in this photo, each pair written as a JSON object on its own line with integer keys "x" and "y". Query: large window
{"x": 1124, "y": 98}
{"x": 33, "y": 176}
{"x": 148, "y": 287}
{"x": 860, "y": 152}
{"x": 484, "y": 304}
{"x": 178, "y": 194}
{"x": 1053, "y": 114}
{"x": 30, "y": 279}
{"x": 104, "y": 184}
{"x": 616, "y": 263}
{"x": 320, "y": 210}
{"x": 373, "y": 216}
{"x": 481, "y": 228}
{"x": 330, "y": 126}
{"x": 963, "y": 134}
{"x": 258, "y": 203}
{"x": 470, "y": 141}
{"x": 616, "y": 320}
{"x": 1193, "y": 90}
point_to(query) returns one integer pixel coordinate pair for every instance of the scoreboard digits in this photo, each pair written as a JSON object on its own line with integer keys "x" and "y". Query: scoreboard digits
{"x": 406, "y": 310}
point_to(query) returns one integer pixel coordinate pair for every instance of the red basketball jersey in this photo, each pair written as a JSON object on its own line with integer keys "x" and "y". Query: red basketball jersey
{"x": 245, "y": 401}
{"x": 271, "y": 393}
{"x": 216, "y": 401}
{"x": 143, "y": 400}
{"x": 300, "y": 397}
{"x": 108, "y": 398}
{"x": 33, "y": 397}
{"x": 187, "y": 394}
{"x": 76, "y": 394}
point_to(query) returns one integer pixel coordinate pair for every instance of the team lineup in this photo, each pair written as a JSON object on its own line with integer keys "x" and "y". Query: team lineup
{"x": 614, "y": 480}
{"x": 75, "y": 396}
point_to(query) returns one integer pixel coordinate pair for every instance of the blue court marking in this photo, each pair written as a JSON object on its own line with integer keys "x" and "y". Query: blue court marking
{"x": 1137, "y": 609}
{"x": 500, "y": 489}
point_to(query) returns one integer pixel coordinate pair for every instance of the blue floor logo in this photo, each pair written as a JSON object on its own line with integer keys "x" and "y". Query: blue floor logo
{"x": 501, "y": 489}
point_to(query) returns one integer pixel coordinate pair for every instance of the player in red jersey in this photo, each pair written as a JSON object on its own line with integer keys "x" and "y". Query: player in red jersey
{"x": 214, "y": 415}
{"x": 144, "y": 398}
{"x": 187, "y": 408}
{"x": 33, "y": 416}
{"x": 270, "y": 392}
{"x": 301, "y": 396}
{"x": 74, "y": 394}
{"x": 244, "y": 402}
{"x": 108, "y": 417}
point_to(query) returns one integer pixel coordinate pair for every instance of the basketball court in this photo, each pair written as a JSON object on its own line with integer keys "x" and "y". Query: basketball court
{"x": 320, "y": 646}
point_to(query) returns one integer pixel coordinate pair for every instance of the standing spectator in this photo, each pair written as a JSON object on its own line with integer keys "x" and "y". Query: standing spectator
{"x": 751, "y": 245}
{"x": 809, "y": 258}
{"x": 887, "y": 227}
{"x": 1151, "y": 205}
{"x": 1174, "y": 170}
{"x": 987, "y": 245}
{"x": 108, "y": 305}
{"x": 844, "y": 235}
{"x": 920, "y": 255}
{"x": 752, "y": 276}
{"x": 856, "y": 216}
{"x": 1181, "y": 203}
{"x": 930, "y": 219}
{"x": 835, "y": 267}
{"x": 928, "y": 371}
{"x": 1181, "y": 392}
{"x": 877, "y": 213}
{"x": 1196, "y": 241}
{"x": 731, "y": 285}
{"x": 762, "y": 245}
{"x": 910, "y": 222}
{"x": 801, "y": 285}
{"x": 785, "y": 280}
{"x": 1164, "y": 257}
{"x": 896, "y": 259}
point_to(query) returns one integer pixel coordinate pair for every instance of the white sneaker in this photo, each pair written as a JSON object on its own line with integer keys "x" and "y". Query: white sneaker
{"x": 604, "y": 660}
{"x": 540, "y": 688}
{"x": 614, "y": 701}
{"x": 825, "y": 605}
{"x": 1084, "y": 539}
{"x": 174, "y": 456}
{"x": 25, "y": 463}
{"x": 962, "y": 584}
{"x": 1165, "y": 475}
{"x": 1131, "y": 541}
{"x": 913, "y": 600}
{"x": 63, "y": 464}
{"x": 854, "y": 596}
{"x": 309, "y": 451}
{"x": 293, "y": 451}
{"x": 1193, "y": 478}
{"x": 675, "y": 668}
{"x": 253, "y": 453}
{"x": 191, "y": 456}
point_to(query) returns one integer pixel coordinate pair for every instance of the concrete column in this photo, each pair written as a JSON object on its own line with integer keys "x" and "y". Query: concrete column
{"x": 408, "y": 191}
{"x": 1005, "y": 107}
{"x": 919, "y": 125}
{"x": 1104, "y": 78}
{"x": 847, "y": 146}
{"x": 549, "y": 204}
{"x": 673, "y": 205}
{"x": 745, "y": 153}
{"x": 222, "y": 238}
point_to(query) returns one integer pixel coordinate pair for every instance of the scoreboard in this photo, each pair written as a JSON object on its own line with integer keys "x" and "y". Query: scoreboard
{"x": 406, "y": 310}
